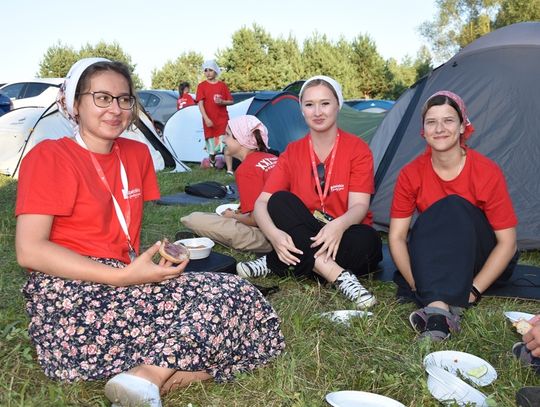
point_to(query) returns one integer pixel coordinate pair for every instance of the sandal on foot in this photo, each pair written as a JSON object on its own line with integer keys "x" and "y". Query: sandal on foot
{"x": 434, "y": 323}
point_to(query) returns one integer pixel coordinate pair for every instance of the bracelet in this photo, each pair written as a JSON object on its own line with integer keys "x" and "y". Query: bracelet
{"x": 477, "y": 294}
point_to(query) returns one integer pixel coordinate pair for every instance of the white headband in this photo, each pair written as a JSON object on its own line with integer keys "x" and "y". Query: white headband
{"x": 211, "y": 64}
{"x": 327, "y": 79}
{"x": 68, "y": 88}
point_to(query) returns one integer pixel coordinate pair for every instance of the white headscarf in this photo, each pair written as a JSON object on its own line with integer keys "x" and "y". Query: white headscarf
{"x": 211, "y": 64}
{"x": 66, "y": 94}
{"x": 332, "y": 82}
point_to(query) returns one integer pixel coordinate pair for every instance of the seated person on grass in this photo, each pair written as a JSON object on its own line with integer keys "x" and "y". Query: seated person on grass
{"x": 247, "y": 140}
{"x": 464, "y": 238}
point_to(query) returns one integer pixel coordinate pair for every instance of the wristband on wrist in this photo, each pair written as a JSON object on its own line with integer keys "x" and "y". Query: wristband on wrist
{"x": 477, "y": 294}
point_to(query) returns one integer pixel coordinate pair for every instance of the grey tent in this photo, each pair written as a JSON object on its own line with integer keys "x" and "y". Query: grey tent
{"x": 497, "y": 77}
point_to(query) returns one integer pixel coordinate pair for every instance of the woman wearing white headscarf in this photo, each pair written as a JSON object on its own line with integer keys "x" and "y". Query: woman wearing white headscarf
{"x": 97, "y": 307}
{"x": 246, "y": 138}
{"x": 314, "y": 207}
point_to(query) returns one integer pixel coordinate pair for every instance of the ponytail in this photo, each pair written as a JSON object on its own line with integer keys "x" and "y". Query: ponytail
{"x": 260, "y": 143}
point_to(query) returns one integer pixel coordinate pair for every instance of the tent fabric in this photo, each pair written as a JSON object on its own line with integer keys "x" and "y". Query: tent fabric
{"x": 496, "y": 77}
{"x": 279, "y": 111}
{"x": 359, "y": 123}
{"x": 22, "y": 129}
{"x": 371, "y": 106}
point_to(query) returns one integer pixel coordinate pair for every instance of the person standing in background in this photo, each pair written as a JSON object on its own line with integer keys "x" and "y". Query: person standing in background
{"x": 213, "y": 97}
{"x": 184, "y": 98}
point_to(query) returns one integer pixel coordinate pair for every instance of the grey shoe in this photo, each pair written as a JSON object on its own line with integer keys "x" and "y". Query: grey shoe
{"x": 350, "y": 287}
{"x": 254, "y": 268}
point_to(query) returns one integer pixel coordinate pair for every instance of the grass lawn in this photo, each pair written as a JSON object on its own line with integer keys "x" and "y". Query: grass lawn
{"x": 377, "y": 354}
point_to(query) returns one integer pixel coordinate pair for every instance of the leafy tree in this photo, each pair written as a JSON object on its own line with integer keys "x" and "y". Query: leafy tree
{"x": 187, "y": 67}
{"x": 423, "y": 63}
{"x": 370, "y": 68}
{"x": 322, "y": 57}
{"x": 256, "y": 61}
{"x": 515, "y": 11}
{"x": 57, "y": 61}
{"x": 59, "y": 58}
{"x": 459, "y": 22}
{"x": 113, "y": 52}
{"x": 399, "y": 76}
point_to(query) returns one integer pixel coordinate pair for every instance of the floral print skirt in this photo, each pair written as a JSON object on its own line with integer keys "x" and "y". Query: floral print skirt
{"x": 212, "y": 322}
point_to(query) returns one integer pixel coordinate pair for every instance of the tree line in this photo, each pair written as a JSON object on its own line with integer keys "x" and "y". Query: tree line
{"x": 257, "y": 61}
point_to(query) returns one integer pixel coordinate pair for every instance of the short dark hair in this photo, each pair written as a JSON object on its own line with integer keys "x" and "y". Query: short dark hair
{"x": 439, "y": 100}
{"x": 182, "y": 86}
{"x": 113, "y": 66}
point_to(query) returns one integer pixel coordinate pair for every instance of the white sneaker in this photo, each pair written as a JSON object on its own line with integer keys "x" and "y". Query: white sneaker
{"x": 254, "y": 268}
{"x": 127, "y": 390}
{"x": 351, "y": 288}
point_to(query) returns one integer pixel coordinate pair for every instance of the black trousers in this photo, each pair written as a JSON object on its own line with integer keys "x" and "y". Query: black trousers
{"x": 448, "y": 245}
{"x": 360, "y": 249}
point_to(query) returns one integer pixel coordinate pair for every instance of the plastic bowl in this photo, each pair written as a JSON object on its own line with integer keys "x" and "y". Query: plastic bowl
{"x": 447, "y": 388}
{"x": 199, "y": 247}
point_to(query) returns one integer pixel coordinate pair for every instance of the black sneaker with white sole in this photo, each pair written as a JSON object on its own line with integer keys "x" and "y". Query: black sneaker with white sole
{"x": 254, "y": 268}
{"x": 347, "y": 283}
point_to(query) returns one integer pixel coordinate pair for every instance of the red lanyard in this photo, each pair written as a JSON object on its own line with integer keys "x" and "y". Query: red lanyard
{"x": 323, "y": 195}
{"x": 124, "y": 220}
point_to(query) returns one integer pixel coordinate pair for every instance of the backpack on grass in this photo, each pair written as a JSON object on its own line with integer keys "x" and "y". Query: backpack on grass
{"x": 207, "y": 189}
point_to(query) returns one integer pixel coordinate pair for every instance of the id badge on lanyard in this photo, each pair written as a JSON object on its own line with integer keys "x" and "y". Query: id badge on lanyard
{"x": 322, "y": 215}
{"x": 123, "y": 220}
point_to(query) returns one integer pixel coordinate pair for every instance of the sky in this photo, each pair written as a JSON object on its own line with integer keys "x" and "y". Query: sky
{"x": 154, "y": 32}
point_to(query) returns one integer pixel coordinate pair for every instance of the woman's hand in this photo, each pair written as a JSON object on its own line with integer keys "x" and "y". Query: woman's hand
{"x": 532, "y": 338}
{"x": 143, "y": 269}
{"x": 284, "y": 247}
{"x": 329, "y": 238}
{"x": 228, "y": 213}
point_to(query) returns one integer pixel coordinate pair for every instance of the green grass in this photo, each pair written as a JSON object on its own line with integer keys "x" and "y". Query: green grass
{"x": 378, "y": 354}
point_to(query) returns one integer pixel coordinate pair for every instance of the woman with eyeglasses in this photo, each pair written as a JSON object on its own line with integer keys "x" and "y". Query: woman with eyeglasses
{"x": 246, "y": 138}
{"x": 464, "y": 238}
{"x": 98, "y": 307}
{"x": 314, "y": 207}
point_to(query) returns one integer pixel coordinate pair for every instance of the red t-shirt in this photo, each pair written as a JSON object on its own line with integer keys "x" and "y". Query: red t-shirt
{"x": 217, "y": 113}
{"x": 184, "y": 100}
{"x": 57, "y": 177}
{"x": 481, "y": 182}
{"x": 251, "y": 175}
{"x": 353, "y": 172}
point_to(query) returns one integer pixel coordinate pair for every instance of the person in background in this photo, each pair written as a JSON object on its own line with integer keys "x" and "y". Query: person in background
{"x": 99, "y": 308}
{"x": 213, "y": 97}
{"x": 247, "y": 140}
{"x": 184, "y": 98}
{"x": 314, "y": 207}
{"x": 464, "y": 239}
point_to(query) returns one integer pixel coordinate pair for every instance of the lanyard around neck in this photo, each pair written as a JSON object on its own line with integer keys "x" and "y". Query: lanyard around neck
{"x": 123, "y": 220}
{"x": 323, "y": 194}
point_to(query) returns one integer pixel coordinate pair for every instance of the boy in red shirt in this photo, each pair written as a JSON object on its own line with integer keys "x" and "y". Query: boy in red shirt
{"x": 213, "y": 97}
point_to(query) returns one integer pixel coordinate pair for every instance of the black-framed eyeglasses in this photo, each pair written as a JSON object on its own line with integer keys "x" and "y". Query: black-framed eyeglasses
{"x": 104, "y": 99}
{"x": 321, "y": 175}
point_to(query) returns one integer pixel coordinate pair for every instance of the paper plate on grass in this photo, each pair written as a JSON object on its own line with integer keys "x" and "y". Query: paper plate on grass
{"x": 447, "y": 388}
{"x": 344, "y": 316}
{"x": 353, "y": 398}
{"x": 515, "y": 316}
{"x": 471, "y": 367}
{"x": 222, "y": 208}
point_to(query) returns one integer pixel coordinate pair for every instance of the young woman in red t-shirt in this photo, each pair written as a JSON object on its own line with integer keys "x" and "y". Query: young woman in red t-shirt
{"x": 98, "y": 308}
{"x": 314, "y": 207}
{"x": 464, "y": 238}
{"x": 246, "y": 138}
